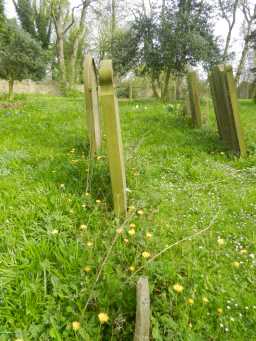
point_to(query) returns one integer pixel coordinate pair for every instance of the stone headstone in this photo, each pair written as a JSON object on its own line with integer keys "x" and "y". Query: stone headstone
{"x": 92, "y": 103}
{"x": 226, "y": 108}
{"x": 194, "y": 99}
{"x": 111, "y": 119}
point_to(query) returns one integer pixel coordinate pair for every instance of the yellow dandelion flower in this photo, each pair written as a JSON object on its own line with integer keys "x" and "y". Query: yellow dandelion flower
{"x": 76, "y": 325}
{"x": 132, "y": 268}
{"x": 89, "y": 244}
{"x": 131, "y": 232}
{"x": 145, "y": 254}
{"x": 126, "y": 240}
{"x": 236, "y": 265}
{"x": 120, "y": 230}
{"x": 99, "y": 157}
{"x": 83, "y": 227}
{"x": 103, "y": 317}
{"x": 205, "y": 300}
{"x": 221, "y": 241}
{"x": 190, "y": 301}
{"x": 54, "y": 232}
{"x": 62, "y": 185}
{"x": 140, "y": 212}
{"x": 148, "y": 235}
{"x": 178, "y": 288}
{"x": 87, "y": 194}
{"x": 219, "y": 311}
{"x": 83, "y": 205}
{"x": 98, "y": 201}
{"x": 190, "y": 325}
{"x": 132, "y": 226}
{"x": 243, "y": 252}
{"x": 87, "y": 268}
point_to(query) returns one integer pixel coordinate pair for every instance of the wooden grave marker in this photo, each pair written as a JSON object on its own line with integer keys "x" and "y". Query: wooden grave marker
{"x": 142, "y": 327}
{"x": 92, "y": 104}
{"x": 111, "y": 119}
{"x": 194, "y": 100}
{"x": 225, "y": 103}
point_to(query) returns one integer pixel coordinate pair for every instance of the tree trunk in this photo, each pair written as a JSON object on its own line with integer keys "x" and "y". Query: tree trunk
{"x": 59, "y": 28}
{"x": 231, "y": 23}
{"x": 72, "y": 64}
{"x": 11, "y": 86}
{"x": 242, "y": 62}
{"x": 155, "y": 92}
{"x": 77, "y": 40}
{"x": 225, "y": 54}
{"x": 166, "y": 85}
{"x": 62, "y": 66}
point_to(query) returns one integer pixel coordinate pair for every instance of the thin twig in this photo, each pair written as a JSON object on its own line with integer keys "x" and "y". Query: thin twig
{"x": 175, "y": 244}
{"x": 105, "y": 260}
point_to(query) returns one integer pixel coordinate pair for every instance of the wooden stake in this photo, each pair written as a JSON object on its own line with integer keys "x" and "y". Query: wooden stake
{"x": 142, "y": 328}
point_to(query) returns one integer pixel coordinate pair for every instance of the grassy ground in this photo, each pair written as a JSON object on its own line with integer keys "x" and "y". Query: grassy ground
{"x": 180, "y": 178}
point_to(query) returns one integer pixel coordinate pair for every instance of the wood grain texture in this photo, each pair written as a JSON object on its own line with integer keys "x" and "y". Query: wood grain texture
{"x": 111, "y": 119}
{"x": 142, "y": 328}
{"x": 92, "y": 104}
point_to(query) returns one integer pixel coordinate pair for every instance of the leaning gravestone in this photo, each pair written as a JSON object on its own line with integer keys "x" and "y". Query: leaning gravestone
{"x": 194, "y": 100}
{"x": 225, "y": 103}
{"x": 92, "y": 103}
{"x": 111, "y": 119}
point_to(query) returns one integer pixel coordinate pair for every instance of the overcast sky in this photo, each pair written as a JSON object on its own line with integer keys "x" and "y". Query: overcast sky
{"x": 220, "y": 29}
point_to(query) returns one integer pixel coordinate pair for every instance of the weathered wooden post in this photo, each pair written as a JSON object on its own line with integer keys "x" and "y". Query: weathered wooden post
{"x": 92, "y": 104}
{"x": 226, "y": 108}
{"x": 142, "y": 327}
{"x": 194, "y": 99}
{"x": 111, "y": 119}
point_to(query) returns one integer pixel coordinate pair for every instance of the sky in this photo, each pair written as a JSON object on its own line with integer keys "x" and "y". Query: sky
{"x": 220, "y": 29}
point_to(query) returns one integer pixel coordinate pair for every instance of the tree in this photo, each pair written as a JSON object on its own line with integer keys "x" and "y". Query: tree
{"x": 21, "y": 57}
{"x": 63, "y": 23}
{"x": 228, "y": 10}
{"x": 178, "y": 35}
{"x": 35, "y": 18}
{"x": 250, "y": 20}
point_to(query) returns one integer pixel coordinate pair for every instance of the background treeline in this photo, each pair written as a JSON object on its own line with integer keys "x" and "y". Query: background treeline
{"x": 159, "y": 40}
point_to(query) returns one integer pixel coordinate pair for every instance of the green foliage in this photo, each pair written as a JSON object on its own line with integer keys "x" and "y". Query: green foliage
{"x": 35, "y": 18}
{"x": 179, "y": 36}
{"x": 180, "y": 177}
{"x": 21, "y": 57}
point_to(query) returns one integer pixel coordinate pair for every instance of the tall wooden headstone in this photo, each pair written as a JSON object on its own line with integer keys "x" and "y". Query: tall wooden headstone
{"x": 225, "y": 102}
{"x": 92, "y": 103}
{"x": 111, "y": 119}
{"x": 194, "y": 99}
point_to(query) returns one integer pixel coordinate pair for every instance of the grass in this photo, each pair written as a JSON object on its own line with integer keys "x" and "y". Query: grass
{"x": 180, "y": 177}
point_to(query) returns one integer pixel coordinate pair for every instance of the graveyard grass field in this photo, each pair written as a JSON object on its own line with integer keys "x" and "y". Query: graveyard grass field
{"x": 181, "y": 179}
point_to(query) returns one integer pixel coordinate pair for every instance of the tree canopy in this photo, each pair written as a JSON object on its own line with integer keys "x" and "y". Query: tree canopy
{"x": 21, "y": 57}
